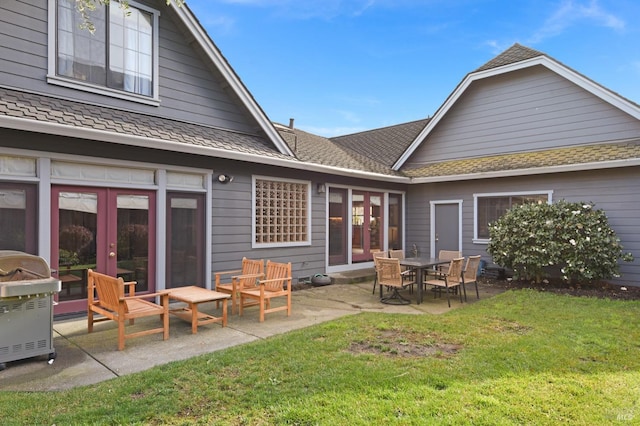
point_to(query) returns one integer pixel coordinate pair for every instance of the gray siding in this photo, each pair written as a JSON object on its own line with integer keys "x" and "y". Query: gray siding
{"x": 614, "y": 191}
{"x": 232, "y": 226}
{"x": 190, "y": 89}
{"x": 525, "y": 110}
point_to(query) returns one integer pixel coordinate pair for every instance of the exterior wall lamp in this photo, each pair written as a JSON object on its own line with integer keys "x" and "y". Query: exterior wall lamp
{"x": 225, "y": 178}
{"x": 321, "y": 188}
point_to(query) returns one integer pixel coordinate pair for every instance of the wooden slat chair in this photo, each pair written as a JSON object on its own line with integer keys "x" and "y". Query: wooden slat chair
{"x": 452, "y": 279}
{"x": 106, "y": 296}
{"x": 251, "y": 271}
{"x": 277, "y": 283}
{"x": 470, "y": 274}
{"x": 376, "y": 256}
{"x": 391, "y": 276}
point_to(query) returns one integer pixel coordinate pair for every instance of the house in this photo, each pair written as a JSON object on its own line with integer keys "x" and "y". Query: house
{"x": 155, "y": 163}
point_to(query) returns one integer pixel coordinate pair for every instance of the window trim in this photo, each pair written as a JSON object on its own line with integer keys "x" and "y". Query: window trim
{"x": 476, "y": 240}
{"x": 54, "y": 78}
{"x": 255, "y": 244}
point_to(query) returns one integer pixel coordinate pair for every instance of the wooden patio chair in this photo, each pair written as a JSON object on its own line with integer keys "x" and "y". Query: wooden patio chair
{"x": 452, "y": 279}
{"x": 277, "y": 283}
{"x": 470, "y": 274}
{"x": 376, "y": 256}
{"x": 251, "y": 271}
{"x": 391, "y": 276}
{"x": 106, "y": 296}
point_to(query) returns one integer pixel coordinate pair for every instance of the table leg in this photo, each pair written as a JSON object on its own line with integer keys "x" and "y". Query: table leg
{"x": 194, "y": 317}
{"x": 420, "y": 273}
{"x": 224, "y": 313}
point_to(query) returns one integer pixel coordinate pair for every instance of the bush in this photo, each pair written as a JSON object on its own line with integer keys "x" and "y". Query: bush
{"x": 530, "y": 239}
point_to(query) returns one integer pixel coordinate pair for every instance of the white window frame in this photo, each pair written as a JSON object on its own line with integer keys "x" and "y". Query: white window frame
{"x": 307, "y": 241}
{"x": 53, "y": 78}
{"x": 476, "y": 240}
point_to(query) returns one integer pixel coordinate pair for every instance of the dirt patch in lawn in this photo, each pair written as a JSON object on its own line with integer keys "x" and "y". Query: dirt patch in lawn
{"x": 398, "y": 344}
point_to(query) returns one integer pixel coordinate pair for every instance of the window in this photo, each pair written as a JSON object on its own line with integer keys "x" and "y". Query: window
{"x": 282, "y": 212}
{"x": 119, "y": 58}
{"x": 395, "y": 221}
{"x": 18, "y": 217}
{"x": 490, "y": 207}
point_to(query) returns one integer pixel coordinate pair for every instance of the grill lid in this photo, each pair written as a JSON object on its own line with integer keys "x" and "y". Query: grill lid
{"x": 17, "y": 265}
{"x": 23, "y": 274}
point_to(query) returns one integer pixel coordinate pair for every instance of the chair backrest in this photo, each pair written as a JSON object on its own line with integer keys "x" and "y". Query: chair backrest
{"x": 449, "y": 254}
{"x": 388, "y": 271}
{"x": 251, "y": 267}
{"x": 277, "y": 275}
{"x": 396, "y": 254}
{"x": 110, "y": 290}
{"x": 471, "y": 269}
{"x": 379, "y": 255}
{"x": 454, "y": 274}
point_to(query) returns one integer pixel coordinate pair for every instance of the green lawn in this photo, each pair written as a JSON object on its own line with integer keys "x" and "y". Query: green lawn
{"x": 521, "y": 358}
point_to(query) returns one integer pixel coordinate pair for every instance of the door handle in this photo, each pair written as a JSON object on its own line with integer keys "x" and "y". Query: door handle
{"x": 112, "y": 254}
{"x": 437, "y": 237}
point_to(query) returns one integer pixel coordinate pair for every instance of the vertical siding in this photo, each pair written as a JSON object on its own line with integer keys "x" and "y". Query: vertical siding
{"x": 524, "y": 110}
{"x": 190, "y": 89}
{"x": 614, "y": 191}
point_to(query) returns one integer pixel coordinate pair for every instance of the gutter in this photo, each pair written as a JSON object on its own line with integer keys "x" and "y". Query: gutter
{"x": 144, "y": 142}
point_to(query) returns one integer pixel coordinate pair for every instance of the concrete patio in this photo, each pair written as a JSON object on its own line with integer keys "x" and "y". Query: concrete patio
{"x": 85, "y": 359}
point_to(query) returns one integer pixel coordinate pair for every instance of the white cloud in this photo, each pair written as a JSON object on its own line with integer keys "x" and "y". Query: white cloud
{"x": 571, "y": 13}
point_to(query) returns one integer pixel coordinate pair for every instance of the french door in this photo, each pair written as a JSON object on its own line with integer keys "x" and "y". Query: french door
{"x": 108, "y": 230}
{"x": 367, "y": 226}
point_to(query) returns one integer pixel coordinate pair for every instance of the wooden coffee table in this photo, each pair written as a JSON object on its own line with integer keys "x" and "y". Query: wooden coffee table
{"x": 193, "y": 296}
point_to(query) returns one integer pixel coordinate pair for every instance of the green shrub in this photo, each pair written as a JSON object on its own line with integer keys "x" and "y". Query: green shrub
{"x": 532, "y": 238}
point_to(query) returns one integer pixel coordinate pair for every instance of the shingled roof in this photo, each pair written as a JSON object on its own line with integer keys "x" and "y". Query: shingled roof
{"x": 320, "y": 150}
{"x": 41, "y": 108}
{"x": 514, "y": 54}
{"x": 384, "y": 145}
{"x": 574, "y": 156}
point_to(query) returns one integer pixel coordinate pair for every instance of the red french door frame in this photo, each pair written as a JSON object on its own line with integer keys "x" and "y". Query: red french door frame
{"x": 106, "y": 235}
{"x": 371, "y": 231}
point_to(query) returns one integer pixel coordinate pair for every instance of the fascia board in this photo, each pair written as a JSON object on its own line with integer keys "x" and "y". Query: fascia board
{"x": 633, "y": 162}
{"x": 230, "y": 76}
{"x": 578, "y": 79}
{"x": 139, "y": 141}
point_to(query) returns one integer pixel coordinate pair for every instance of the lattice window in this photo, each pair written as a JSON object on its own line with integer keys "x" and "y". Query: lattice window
{"x": 281, "y": 212}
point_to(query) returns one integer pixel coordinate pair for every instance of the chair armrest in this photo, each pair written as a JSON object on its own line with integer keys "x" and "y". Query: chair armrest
{"x": 236, "y": 278}
{"x": 247, "y": 276}
{"x": 235, "y": 271}
{"x": 132, "y": 287}
{"x": 163, "y": 294}
{"x": 263, "y": 283}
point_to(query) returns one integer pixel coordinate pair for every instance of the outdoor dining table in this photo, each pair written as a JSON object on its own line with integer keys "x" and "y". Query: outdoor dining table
{"x": 420, "y": 264}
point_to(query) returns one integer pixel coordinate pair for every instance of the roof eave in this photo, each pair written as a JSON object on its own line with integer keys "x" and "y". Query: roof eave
{"x": 633, "y": 162}
{"x": 145, "y": 142}
{"x": 231, "y": 77}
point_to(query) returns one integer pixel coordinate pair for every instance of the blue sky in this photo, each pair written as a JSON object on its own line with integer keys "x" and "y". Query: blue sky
{"x": 344, "y": 66}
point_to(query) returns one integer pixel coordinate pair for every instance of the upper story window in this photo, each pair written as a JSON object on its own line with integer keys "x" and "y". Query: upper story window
{"x": 119, "y": 58}
{"x": 490, "y": 207}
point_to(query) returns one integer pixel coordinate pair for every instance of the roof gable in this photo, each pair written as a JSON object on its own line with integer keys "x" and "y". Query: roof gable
{"x": 216, "y": 57}
{"x": 515, "y": 58}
